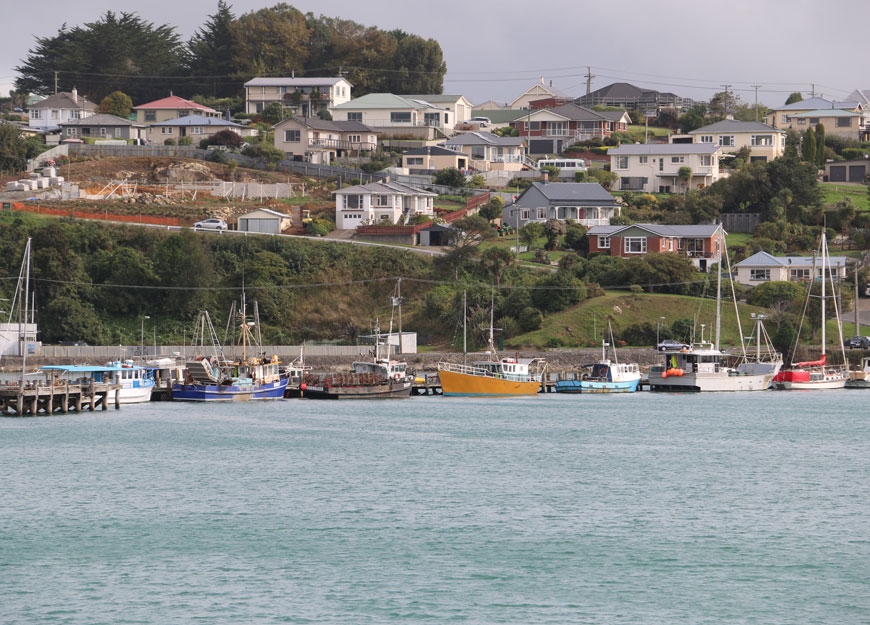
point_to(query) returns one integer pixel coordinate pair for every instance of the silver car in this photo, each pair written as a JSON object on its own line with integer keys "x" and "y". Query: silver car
{"x": 211, "y": 224}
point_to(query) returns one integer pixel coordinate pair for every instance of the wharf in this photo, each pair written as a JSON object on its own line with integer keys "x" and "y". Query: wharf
{"x": 48, "y": 398}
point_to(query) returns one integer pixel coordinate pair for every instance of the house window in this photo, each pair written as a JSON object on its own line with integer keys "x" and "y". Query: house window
{"x": 117, "y": 133}
{"x": 534, "y": 126}
{"x": 400, "y": 117}
{"x": 165, "y": 131}
{"x": 678, "y": 159}
{"x": 72, "y": 131}
{"x": 707, "y": 161}
{"x": 706, "y": 139}
{"x": 355, "y": 138}
{"x": 785, "y": 119}
{"x": 799, "y": 275}
{"x": 802, "y": 121}
{"x": 354, "y": 117}
{"x": 353, "y": 201}
{"x": 55, "y": 114}
{"x": 726, "y": 140}
{"x": 761, "y": 140}
{"x": 643, "y": 160}
{"x": 415, "y": 160}
{"x": 196, "y": 130}
{"x": 35, "y": 114}
{"x": 814, "y": 120}
{"x": 622, "y": 162}
{"x": 382, "y": 200}
{"x": 557, "y": 129}
{"x": 603, "y": 243}
{"x": 759, "y": 275}
{"x": 844, "y": 122}
{"x": 102, "y": 132}
{"x": 292, "y": 136}
{"x": 76, "y": 114}
{"x": 634, "y": 245}
{"x": 150, "y": 116}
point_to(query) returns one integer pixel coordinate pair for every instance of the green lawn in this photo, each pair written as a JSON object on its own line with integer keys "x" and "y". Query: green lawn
{"x": 833, "y": 192}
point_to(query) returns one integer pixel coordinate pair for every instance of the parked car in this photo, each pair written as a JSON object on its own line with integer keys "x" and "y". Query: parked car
{"x": 859, "y": 342}
{"x": 670, "y": 345}
{"x": 211, "y": 224}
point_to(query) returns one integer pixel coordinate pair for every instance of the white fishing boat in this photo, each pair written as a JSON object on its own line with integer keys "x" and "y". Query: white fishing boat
{"x": 134, "y": 383}
{"x": 704, "y": 367}
{"x": 606, "y": 375}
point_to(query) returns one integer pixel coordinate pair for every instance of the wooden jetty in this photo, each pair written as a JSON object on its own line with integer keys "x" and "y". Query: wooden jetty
{"x": 34, "y": 398}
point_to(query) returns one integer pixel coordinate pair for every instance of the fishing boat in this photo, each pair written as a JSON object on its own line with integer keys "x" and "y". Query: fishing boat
{"x": 491, "y": 375}
{"x": 134, "y": 383}
{"x": 704, "y": 367}
{"x": 817, "y": 374}
{"x": 381, "y": 377}
{"x": 604, "y": 376}
{"x": 211, "y": 376}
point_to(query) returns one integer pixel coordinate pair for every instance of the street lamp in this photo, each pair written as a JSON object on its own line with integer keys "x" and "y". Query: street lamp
{"x": 659, "y": 326}
{"x": 142, "y": 336}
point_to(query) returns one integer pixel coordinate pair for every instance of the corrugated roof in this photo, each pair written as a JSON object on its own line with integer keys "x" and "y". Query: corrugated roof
{"x": 101, "y": 119}
{"x": 764, "y": 259}
{"x": 703, "y": 230}
{"x": 198, "y": 120}
{"x": 385, "y": 187}
{"x": 64, "y": 100}
{"x": 645, "y": 149}
{"x": 487, "y": 138}
{"x": 174, "y": 102}
{"x": 295, "y": 82}
{"x": 383, "y": 101}
{"x": 827, "y": 113}
{"x": 574, "y": 191}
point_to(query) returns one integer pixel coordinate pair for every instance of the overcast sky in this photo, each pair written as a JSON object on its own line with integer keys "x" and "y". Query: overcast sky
{"x": 495, "y": 49}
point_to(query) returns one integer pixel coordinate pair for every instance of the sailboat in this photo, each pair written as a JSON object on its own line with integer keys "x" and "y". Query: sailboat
{"x": 491, "y": 376}
{"x": 704, "y": 367}
{"x": 210, "y": 376}
{"x": 606, "y": 376}
{"x": 817, "y": 374}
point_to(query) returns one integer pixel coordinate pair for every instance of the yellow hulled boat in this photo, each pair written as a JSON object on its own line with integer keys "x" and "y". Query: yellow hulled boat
{"x": 508, "y": 376}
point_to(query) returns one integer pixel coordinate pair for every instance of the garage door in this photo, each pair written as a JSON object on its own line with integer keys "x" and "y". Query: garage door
{"x": 857, "y": 173}
{"x": 269, "y": 226}
{"x": 838, "y": 173}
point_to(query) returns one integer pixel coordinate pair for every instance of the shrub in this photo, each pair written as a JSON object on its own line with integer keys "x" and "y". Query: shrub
{"x": 531, "y": 319}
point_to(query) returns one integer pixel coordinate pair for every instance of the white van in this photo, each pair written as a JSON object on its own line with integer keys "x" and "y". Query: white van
{"x": 567, "y": 166}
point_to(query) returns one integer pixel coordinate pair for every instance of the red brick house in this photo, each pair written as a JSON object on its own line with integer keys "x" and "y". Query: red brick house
{"x": 551, "y": 130}
{"x": 703, "y": 244}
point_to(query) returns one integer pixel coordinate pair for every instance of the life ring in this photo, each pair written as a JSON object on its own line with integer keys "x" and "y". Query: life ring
{"x": 396, "y": 377}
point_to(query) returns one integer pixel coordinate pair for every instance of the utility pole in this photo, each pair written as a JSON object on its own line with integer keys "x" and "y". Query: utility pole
{"x": 756, "y": 101}
{"x": 589, "y": 78}
{"x": 727, "y": 102}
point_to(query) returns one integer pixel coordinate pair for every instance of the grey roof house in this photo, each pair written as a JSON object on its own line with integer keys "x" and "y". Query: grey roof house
{"x": 587, "y": 203}
{"x": 102, "y": 126}
{"x": 763, "y": 267}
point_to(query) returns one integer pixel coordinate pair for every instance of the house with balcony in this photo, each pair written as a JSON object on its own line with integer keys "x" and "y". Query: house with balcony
{"x": 781, "y": 116}
{"x": 322, "y": 141}
{"x": 102, "y": 126}
{"x": 459, "y": 107}
{"x": 848, "y": 124}
{"x": 300, "y": 96}
{"x": 47, "y": 115}
{"x": 433, "y": 158}
{"x": 489, "y": 152}
{"x": 626, "y": 95}
{"x": 551, "y": 130}
{"x": 655, "y": 167}
{"x": 765, "y": 142}
{"x": 169, "y": 108}
{"x": 400, "y": 117}
{"x": 586, "y": 203}
{"x": 197, "y": 127}
{"x": 703, "y": 244}
{"x": 763, "y": 267}
{"x": 381, "y": 203}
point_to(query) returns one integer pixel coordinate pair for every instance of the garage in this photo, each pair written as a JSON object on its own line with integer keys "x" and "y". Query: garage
{"x": 265, "y": 221}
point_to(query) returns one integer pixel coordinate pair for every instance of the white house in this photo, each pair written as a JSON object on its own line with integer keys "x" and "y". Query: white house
{"x": 763, "y": 267}
{"x": 399, "y": 116}
{"x": 47, "y": 115}
{"x": 381, "y": 203}
{"x": 655, "y": 167}
{"x": 490, "y": 152}
{"x": 587, "y": 203}
{"x": 303, "y": 96}
{"x": 765, "y": 142}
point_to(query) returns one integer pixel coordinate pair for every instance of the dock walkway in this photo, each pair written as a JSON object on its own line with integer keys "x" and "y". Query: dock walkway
{"x": 48, "y": 398}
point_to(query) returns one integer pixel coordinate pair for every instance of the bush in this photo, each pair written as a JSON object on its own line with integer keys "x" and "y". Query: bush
{"x": 531, "y": 319}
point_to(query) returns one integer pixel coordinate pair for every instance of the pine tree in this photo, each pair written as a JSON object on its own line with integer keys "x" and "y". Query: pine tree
{"x": 808, "y": 147}
{"x": 820, "y": 146}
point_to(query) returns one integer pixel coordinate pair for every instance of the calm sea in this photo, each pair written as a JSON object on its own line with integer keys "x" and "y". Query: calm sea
{"x": 644, "y": 508}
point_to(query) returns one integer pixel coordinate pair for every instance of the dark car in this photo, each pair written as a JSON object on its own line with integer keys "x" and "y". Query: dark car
{"x": 858, "y": 342}
{"x": 670, "y": 345}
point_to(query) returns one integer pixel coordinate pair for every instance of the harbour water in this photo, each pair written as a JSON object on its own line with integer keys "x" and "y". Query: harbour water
{"x": 641, "y": 508}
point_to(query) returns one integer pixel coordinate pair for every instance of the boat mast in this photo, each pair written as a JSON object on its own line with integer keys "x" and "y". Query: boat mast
{"x": 465, "y": 327}
{"x": 824, "y": 269}
{"x": 22, "y": 326}
{"x": 719, "y": 293}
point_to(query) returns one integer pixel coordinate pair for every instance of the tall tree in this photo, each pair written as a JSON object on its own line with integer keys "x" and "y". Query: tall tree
{"x": 210, "y": 55}
{"x": 418, "y": 66}
{"x": 808, "y": 147}
{"x": 820, "y": 146}
{"x": 270, "y": 42}
{"x": 117, "y": 103}
{"x": 13, "y": 149}
{"x": 120, "y": 52}
{"x": 794, "y": 97}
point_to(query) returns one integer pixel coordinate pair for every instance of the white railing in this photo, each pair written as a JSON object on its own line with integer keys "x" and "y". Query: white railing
{"x": 482, "y": 372}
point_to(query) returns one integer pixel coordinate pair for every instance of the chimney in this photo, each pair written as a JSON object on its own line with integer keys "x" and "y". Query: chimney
{"x": 75, "y": 95}
{"x": 545, "y": 177}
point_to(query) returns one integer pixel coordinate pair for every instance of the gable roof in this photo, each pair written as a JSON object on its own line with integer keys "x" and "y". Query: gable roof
{"x": 827, "y": 113}
{"x": 384, "y": 101}
{"x": 646, "y": 149}
{"x": 661, "y": 230}
{"x": 572, "y": 192}
{"x": 268, "y": 211}
{"x": 861, "y": 95}
{"x": 734, "y": 125}
{"x": 805, "y": 105}
{"x": 437, "y": 98}
{"x": 261, "y": 81}
{"x": 763, "y": 259}
{"x": 485, "y": 138}
{"x": 101, "y": 119}
{"x": 575, "y": 112}
{"x": 174, "y": 102}
{"x": 197, "y": 120}
{"x": 316, "y": 123}
{"x": 433, "y": 150}
{"x": 64, "y": 100}
{"x": 380, "y": 188}
{"x": 542, "y": 86}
